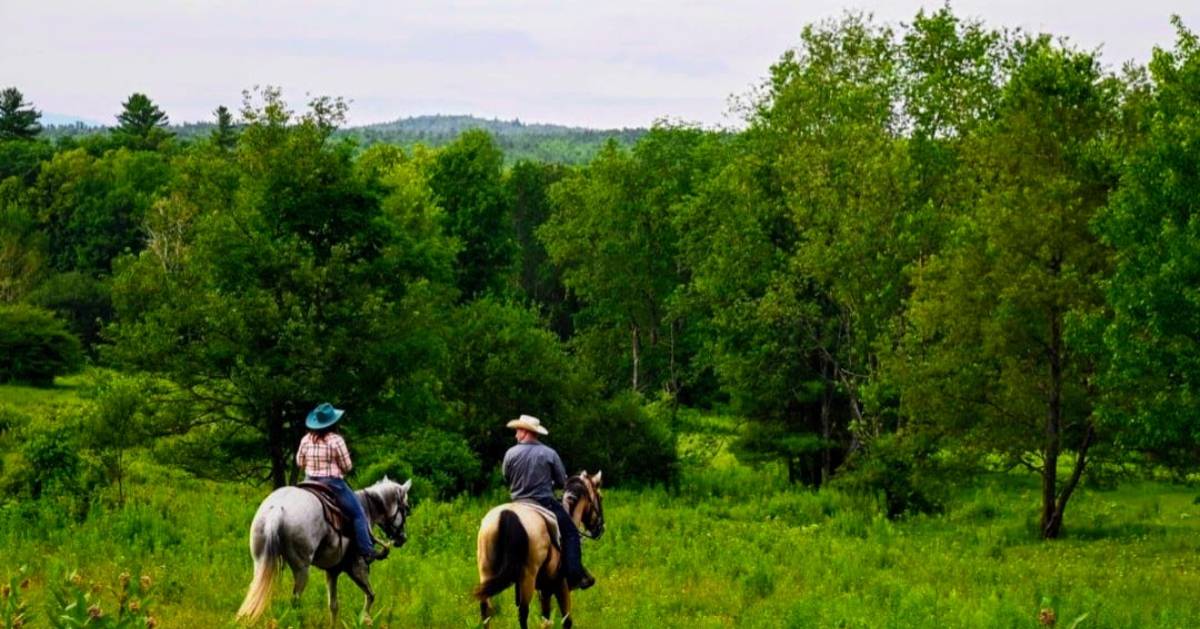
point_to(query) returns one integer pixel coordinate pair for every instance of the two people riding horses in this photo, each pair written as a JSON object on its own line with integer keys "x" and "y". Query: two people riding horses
{"x": 532, "y": 470}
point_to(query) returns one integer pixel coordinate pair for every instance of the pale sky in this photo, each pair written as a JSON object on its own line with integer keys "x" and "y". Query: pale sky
{"x": 595, "y": 63}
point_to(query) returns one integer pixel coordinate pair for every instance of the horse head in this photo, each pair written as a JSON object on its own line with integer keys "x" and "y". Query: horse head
{"x": 582, "y": 493}
{"x": 393, "y": 508}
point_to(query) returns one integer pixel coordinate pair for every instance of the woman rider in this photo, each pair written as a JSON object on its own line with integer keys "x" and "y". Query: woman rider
{"x": 323, "y": 456}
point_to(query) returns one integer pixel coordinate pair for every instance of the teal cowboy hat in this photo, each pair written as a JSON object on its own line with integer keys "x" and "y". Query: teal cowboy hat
{"x": 323, "y": 416}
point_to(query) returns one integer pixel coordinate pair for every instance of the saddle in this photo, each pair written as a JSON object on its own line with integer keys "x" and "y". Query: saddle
{"x": 549, "y": 517}
{"x": 334, "y": 516}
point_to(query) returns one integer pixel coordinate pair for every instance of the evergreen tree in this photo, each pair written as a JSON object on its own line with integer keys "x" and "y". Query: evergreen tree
{"x": 225, "y": 135}
{"x": 18, "y": 119}
{"x": 141, "y": 124}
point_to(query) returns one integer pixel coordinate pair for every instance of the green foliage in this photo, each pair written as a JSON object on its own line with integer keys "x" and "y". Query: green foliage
{"x": 23, "y": 255}
{"x": 77, "y": 603}
{"x": 141, "y": 125}
{"x": 1153, "y": 221}
{"x": 224, "y": 136}
{"x": 465, "y": 178}
{"x": 80, "y": 300}
{"x": 259, "y": 311}
{"x": 441, "y": 464}
{"x": 504, "y": 365}
{"x": 92, "y": 208}
{"x": 23, "y": 158}
{"x": 632, "y": 444}
{"x": 14, "y": 612}
{"x": 903, "y": 468}
{"x": 18, "y": 119}
{"x": 35, "y": 346}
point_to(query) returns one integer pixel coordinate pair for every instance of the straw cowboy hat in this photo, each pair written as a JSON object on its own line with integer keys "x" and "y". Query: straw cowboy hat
{"x": 530, "y": 423}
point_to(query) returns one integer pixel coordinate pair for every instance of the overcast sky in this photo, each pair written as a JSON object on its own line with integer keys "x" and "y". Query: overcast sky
{"x": 597, "y": 63}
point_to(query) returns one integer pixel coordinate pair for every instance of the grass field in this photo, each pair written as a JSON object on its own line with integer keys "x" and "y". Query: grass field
{"x": 730, "y": 547}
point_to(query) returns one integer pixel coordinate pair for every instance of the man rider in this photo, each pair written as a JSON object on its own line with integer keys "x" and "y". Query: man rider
{"x": 533, "y": 471}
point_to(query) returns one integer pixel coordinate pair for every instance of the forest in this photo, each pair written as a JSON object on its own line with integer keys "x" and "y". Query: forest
{"x": 918, "y": 343}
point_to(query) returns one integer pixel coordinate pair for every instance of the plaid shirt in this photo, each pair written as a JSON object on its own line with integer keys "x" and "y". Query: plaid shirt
{"x": 327, "y": 457}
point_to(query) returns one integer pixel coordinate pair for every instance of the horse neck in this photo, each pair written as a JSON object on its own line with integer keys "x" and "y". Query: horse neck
{"x": 368, "y": 510}
{"x": 582, "y": 503}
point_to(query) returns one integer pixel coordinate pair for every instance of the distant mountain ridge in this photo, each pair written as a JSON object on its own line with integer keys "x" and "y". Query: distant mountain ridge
{"x": 455, "y": 124}
{"x": 537, "y": 141}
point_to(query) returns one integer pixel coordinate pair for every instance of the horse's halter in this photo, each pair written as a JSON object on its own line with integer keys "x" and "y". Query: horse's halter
{"x": 594, "y": 517}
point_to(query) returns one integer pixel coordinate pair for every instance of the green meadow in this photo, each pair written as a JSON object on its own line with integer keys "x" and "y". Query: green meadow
{"x": 729, "y": 546}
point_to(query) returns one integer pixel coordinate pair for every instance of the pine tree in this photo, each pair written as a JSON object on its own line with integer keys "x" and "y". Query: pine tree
{"x": 18, "y": 119}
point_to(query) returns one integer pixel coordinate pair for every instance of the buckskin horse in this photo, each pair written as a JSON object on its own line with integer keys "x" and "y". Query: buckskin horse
{"x": 291, "y": 525}
{"x": 514, "y": 548}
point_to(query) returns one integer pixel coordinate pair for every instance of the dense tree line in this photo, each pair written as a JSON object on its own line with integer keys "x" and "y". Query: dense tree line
{"x": 943, "y": 246}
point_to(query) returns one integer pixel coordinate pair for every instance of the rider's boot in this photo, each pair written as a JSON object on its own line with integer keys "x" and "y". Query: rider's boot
{"x": 581, "y": 581}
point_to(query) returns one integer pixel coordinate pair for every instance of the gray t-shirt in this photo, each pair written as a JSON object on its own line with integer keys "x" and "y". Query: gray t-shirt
{"x": 533, "y": 470}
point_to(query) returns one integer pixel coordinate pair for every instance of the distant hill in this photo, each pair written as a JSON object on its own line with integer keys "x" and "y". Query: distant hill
{"x": 519, "y": 140}
{"x": 543, "y": 142}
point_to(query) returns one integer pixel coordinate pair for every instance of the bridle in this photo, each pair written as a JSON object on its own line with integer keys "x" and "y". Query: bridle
{"x": 594, "y": 528}
{"x": 392, "y": 523}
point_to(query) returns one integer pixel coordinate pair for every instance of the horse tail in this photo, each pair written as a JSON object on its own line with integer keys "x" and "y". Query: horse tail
{"x": 506, "y": 554}
{"x": 267, "y": 551}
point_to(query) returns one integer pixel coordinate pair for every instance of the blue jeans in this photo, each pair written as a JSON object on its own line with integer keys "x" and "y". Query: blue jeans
{"x": 352, "y": 508}
{"x": 572, "y": 553}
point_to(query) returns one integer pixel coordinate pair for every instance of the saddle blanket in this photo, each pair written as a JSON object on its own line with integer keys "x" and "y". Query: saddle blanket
{"x": 548, "y": 516}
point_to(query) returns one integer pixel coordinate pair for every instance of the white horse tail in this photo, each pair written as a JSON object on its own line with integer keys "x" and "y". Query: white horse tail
{"x": 267, "y": 551}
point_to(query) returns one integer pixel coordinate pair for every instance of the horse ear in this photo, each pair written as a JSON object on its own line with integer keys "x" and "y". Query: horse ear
{"x": 385, "y": 478}
{"x": 407, "y": 485}
{"x": 597, "y": 478}
{"x": 583, "y": 474}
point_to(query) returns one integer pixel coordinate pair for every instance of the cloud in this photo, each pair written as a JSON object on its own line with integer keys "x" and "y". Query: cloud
{"x": 613, "y": 63}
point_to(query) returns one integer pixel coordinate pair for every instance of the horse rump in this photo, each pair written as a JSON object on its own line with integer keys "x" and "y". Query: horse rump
{"x": 506, "y": 555}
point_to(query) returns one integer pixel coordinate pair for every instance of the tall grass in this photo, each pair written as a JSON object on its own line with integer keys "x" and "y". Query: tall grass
{"x": 728, "y": 546}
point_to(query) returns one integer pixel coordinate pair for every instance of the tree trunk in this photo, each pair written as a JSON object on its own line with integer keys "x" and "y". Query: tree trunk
{"x": 1054, "y": 527}
{"x": 1053, "y": 438}
{"x": 275, "y": 446}
{"x": 635, "y": 344}
{"x": 826, "y": 423}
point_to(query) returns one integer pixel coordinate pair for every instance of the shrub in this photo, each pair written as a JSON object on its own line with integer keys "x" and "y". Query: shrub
{"x": 902, "y": 468}
{"x": 440, "y": 463}
{"x": 83, "y": 302}
{"x": 35, "y": 346}
{"x": 628, "y": 442}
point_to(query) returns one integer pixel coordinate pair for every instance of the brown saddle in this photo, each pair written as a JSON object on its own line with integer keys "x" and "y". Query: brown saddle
{"x": 334, "y": 516}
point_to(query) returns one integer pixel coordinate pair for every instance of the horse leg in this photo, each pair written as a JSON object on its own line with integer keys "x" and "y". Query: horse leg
{"x": 300, "y": 573}
{"x": 360, "y": 574}
{"x": 564, "y": 603}
{"x": 525, "y": 590}
{"x": 544, "y": 595}
{"x": 331, "y": 578}
{"x": 485, "y": 612}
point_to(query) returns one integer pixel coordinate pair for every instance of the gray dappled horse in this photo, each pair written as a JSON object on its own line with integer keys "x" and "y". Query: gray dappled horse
{"x": 290, "y": 527}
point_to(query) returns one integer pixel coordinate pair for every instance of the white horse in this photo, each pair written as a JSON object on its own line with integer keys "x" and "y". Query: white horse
{"x": 290, "y": 526}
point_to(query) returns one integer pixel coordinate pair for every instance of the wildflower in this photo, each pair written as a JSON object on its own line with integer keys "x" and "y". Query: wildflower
{"x": 25, "y": 583}
{"x": 94, "y": 612}
{"x": 124, "y": 579}
{"x": 76, "y": 579}
{"x": 135, "y": 606}
{"x": 1047, "y": 618}
{"x": 367, "y": 622}
{"x": 145, "y": 581}
{"x": 151, "y": 622}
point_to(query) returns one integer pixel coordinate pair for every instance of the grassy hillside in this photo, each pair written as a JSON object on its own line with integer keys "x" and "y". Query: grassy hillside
{"x": 730, "y": 547}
